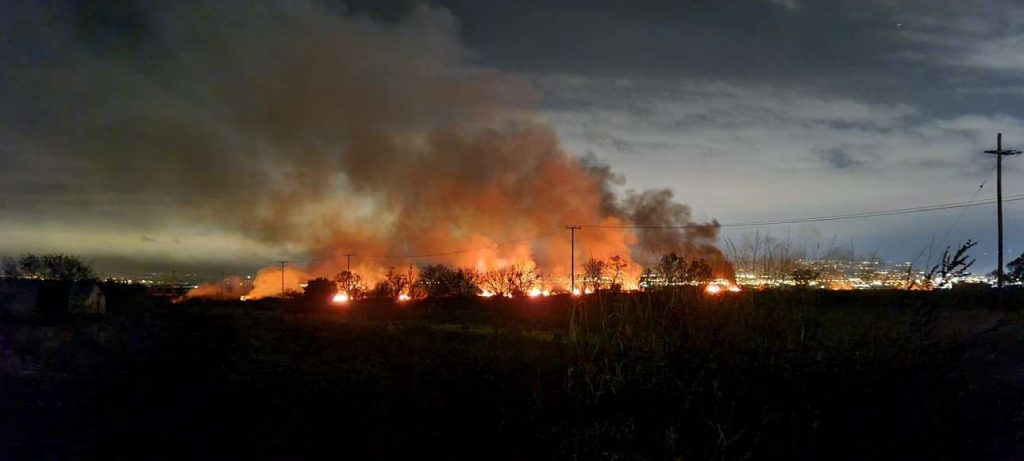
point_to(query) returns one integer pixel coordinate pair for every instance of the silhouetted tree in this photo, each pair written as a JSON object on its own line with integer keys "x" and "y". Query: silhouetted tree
{"x": 648, "y": 278}
{"x": 676, "y": 270}
{"x": 671, "y": 269}
{"x": 319, "y": 291}
{"x": 593, "y": 274}
{"x": 9, "y": 268}
{"x": 698, "y": 272}
{"x": 617, "y": 266}
{"x": 48, "y": 266}
{"x": 512, "y": 280}
{"x": 396, "y": 283}
{"x": 1015, "y": 269}
{"x": 65, "y": 267}
{"x": 439, "y": 280}
{"x": 381, "y": 289}
{"x": 350, "y": 283}
{"x": 31, "y": 266}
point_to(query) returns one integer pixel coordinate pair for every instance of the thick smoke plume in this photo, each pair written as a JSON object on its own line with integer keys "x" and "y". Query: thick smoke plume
{"x": 309, "y": 128}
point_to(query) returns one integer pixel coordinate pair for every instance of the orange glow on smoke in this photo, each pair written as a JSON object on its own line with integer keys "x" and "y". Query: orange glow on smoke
{"x": 459, "y": 182}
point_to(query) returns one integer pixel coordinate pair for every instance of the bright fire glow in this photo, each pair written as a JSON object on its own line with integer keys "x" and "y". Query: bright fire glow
{"x": 535, "y": 292}
{"x": 717, "y": 288}
{"x": 340, "y": 298}
{"x": 576, "y": 292}
{"x": 486, "y": 294}
{"x": 403, "y": 297}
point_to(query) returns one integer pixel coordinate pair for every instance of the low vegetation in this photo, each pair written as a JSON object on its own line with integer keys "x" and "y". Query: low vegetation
{"x": 670, "y": 374}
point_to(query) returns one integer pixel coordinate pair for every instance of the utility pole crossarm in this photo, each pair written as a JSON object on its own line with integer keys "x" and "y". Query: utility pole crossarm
{"x": 1004, "y": 152}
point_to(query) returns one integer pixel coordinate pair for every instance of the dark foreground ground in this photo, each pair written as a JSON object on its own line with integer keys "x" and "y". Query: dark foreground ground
{"x": 765, "y": 375}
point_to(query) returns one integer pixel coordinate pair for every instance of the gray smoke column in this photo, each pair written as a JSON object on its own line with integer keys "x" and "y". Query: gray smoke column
{"x": 662, "y": 224}
{"x": 306, "y": 127}
{"x": 668, "y": 228}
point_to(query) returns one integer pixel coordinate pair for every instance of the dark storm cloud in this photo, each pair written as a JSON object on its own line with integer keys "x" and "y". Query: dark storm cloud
{"x": 845, "y": 46}
{"x": 874, "y": 50}
{"x": 744, "y": 38}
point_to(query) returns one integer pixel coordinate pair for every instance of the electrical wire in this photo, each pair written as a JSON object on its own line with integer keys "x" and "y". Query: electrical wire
{"x": 869, "y": 214}
{"x": 945, "y": 238}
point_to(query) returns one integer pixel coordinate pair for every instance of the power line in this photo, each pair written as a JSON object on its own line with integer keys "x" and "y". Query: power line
{"x": 945, "y": 238}
{"x": 869, "y": 214}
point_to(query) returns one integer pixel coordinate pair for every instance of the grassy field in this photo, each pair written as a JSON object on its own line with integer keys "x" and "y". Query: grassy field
{"x": 788, "y": 374}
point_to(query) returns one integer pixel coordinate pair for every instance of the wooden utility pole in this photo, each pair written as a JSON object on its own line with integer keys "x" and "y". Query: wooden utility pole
{"x": 999, "y": 153}
{"x": 572, "y": 259}
{"x": 348, "y": 263}
{"x": 282, "y": 263}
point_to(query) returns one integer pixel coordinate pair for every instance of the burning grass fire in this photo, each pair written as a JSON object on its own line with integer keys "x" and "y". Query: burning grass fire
{"x": 716, "y": 288}
{"x": 517, "y": 280}
{"x": 721, "y": 286}
{"x": 421, "y": 185}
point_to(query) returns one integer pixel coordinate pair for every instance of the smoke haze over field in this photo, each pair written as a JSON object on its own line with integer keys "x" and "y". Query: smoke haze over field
{"x": 223, "y": 136}
{"x": 301, "y": 127}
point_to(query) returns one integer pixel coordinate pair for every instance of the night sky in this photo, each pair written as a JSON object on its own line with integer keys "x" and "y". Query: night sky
{"x": 127, "y": 134}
